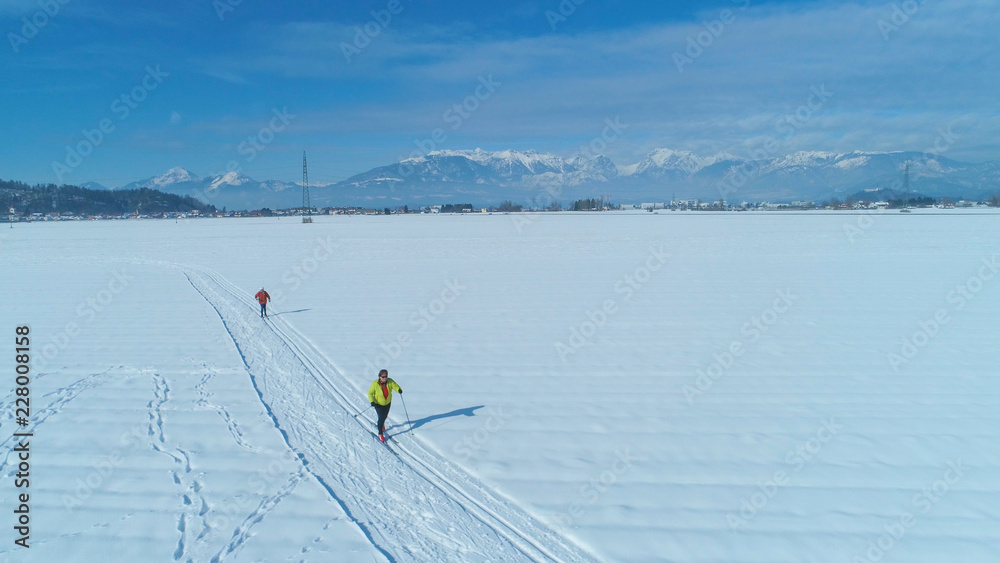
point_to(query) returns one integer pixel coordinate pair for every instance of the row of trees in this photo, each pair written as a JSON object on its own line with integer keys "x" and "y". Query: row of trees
{"x": 511, "y": 207}
{"x": 911, "y": 202}
{"x": 456, "y": 208}
{"x": 587, "y": 205}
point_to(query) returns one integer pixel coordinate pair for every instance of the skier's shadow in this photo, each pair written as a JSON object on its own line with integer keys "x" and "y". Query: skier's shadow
{"x": 468, "y": 411}
{"x": 287, "y": 312}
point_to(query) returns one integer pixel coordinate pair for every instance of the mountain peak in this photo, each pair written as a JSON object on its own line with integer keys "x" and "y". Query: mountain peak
{"x": 233, "y": 178}
{"x": 806, "y": 158}
{"x": 660, "y": 161}
{"x": 176, "y": 175}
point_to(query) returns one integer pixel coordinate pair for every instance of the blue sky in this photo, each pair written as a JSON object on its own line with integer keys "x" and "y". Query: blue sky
{"x": 216, "y": 85}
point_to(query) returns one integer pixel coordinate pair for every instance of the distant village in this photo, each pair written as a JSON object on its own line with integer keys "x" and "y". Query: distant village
{"x": 508, "y": 207}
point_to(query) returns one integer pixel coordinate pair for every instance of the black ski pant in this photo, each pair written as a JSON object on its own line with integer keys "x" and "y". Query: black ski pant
{"x": 383, "y": 413}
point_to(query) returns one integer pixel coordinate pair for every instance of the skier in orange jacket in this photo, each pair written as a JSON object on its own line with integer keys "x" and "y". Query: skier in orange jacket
{"x": 263, "y": 298}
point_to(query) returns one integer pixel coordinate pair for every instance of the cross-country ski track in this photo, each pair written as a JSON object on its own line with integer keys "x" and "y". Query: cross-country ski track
{"x": 414, "y": 506}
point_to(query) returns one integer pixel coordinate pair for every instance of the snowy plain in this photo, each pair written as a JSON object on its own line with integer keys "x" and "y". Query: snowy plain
{"x": 711, "y": 387}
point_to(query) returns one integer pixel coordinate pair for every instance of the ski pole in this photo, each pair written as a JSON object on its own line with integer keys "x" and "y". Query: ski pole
{"x": 364, "y": 411}
{"x": 408, "y": 423}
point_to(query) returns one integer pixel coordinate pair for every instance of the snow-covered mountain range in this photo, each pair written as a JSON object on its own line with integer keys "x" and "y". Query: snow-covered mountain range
{"x": 233, "y": 189}
{"x": 483, "y": 177}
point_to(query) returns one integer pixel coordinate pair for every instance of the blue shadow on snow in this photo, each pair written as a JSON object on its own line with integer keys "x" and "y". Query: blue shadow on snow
{"x": 287, "y": 312}
{"x": 468, "y": 411}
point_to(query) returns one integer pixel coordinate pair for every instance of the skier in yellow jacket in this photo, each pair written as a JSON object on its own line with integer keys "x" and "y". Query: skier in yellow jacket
{"x": 380, "y": 396}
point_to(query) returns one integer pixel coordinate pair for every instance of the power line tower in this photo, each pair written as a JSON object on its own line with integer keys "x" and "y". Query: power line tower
{"x": 306, "y": 207}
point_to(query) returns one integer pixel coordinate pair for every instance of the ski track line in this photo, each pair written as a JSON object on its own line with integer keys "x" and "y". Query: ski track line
{"x": 63, "y": 396}
{"x": 448, "y": 486}
{"x": 242, "y": 533}
{"x": 346, "y": 404}
{"x": 367, "y": 530}
{"x": 194, "y": 505}
{"x": 204, "y": 400}
{"x": 453, "y": 496}
{"x": 298, "y": 392}
{"x": 195, "y": 550}
{"x": 455, "y": 483}
{"x": 418, "y": 453}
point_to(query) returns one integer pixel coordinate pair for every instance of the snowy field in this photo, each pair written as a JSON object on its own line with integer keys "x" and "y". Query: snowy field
{"x": 755, "y": 387}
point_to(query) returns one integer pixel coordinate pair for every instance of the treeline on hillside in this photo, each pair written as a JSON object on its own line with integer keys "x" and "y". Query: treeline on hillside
{"x": 456, "y": 208}
{"x": 27, "y": 199}
{"x": 587, "y": 205}
{"x": 911, "y": 202}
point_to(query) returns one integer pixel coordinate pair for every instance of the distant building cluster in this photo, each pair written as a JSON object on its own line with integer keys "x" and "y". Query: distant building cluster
{"x": 698, "y": 205}
{"x": 16, "y": 216}
{"x": 673, "y": 205}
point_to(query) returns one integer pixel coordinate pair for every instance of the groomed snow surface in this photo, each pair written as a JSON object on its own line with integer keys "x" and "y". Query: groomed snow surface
{"x": 578, "y": 387}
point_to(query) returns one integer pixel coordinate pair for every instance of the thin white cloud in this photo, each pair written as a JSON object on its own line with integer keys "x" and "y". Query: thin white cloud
{"x": 226, "y": 76}
{"x": 762, "y": 65}
{"x": 891, "y": 87}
